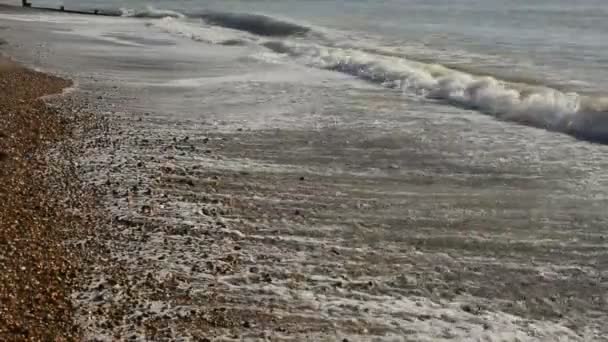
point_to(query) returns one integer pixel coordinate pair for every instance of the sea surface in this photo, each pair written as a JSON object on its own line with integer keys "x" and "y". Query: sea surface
{"x": 443, "y": 152}
{"x": 543, "y": 63}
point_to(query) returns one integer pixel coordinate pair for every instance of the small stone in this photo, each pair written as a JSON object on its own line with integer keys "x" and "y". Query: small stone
{"x": 467, "y": 308}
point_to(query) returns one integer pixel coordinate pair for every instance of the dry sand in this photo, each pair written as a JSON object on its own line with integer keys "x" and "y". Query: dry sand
{"x": 38, "y": 271}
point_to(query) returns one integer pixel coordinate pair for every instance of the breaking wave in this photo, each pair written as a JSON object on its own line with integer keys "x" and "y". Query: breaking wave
{"x": 585, "y": 117}
{"x": 581, "y": 116}
{"x": 150, "y": 12}
{"x": 200, "y": 33}
{"x": 255, "y": 23}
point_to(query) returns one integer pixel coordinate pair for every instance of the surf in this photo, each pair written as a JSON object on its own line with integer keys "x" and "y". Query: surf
{"x": 533, "y": 104}
{"x": 582, "y": 116}
{"x": 258, "y": 24}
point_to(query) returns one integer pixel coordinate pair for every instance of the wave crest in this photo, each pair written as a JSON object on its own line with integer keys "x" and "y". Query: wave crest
{"x": 541, "y": 106}
{"x": 150, "y": 12}
{"x": 255, "y": 23}
{"x": 581, "y": 116}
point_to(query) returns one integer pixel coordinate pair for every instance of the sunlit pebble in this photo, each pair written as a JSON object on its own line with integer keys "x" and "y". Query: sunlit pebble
{"x": 46, "y": 252}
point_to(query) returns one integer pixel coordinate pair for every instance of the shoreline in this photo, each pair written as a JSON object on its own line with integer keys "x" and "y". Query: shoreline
{"x": 212, "y": 226}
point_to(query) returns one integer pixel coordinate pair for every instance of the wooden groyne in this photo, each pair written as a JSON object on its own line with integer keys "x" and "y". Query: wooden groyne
{"x": 27, "y": 4}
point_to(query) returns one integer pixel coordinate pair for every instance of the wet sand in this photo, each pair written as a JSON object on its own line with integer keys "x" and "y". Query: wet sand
{"x": 244, "y": 235}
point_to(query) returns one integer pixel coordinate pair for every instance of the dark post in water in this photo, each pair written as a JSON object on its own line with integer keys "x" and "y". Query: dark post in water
{"x": 24, "y": 3}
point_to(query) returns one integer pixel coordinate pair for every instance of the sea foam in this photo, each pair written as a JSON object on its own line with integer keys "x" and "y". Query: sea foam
{"x": 584, "y": 117}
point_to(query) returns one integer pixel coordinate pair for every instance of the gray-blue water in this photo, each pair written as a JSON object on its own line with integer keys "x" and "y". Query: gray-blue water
{"x": 550, "y": 40}
{"x": 541, "y": 63}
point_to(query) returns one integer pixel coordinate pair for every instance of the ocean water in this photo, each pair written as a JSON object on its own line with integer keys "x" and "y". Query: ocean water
{"x": 452, "y": 152}
{"x": 542, "y": 63}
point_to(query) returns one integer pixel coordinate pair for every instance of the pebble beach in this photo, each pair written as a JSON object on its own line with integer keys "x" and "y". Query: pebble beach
{"x": 38, "y": 271}
{"x": 164, "y": 185}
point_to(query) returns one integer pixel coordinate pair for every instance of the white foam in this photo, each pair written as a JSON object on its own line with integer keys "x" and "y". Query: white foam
{"x": 150, "y": 12}
{"x": 422, "y": 319}
{"x": 200, "y": 33}
{"x": 537, "y": 106}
